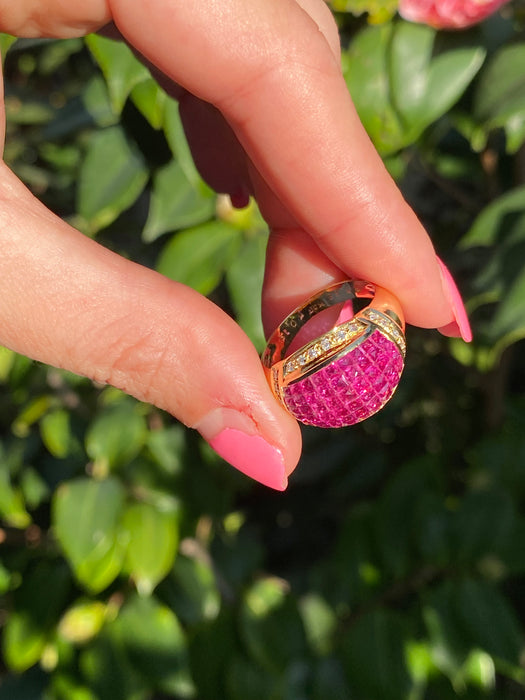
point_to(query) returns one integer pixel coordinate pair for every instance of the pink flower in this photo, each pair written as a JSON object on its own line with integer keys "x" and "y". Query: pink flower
{"x": 448, "y": 14}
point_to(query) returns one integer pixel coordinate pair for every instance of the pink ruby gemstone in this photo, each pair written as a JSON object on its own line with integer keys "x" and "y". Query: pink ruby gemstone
{"x": 363, "y": 382}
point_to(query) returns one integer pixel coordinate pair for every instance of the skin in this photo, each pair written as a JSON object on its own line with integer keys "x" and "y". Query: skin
{"x": 263, "y": 77}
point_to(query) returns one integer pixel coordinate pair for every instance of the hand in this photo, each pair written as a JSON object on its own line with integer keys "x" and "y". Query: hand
{"x": 266, "y": 75}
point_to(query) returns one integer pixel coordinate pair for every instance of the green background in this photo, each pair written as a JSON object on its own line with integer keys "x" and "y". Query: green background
{"x": 134, "y": 563}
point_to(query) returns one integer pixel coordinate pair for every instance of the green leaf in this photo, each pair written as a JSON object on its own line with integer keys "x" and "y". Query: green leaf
{"x": 480, "y": 670}
{"x": 427, "y": 77}
{"x": 487, "y": 228}
{"x": 38, "y": 603}
{"x": 6, "y": 41}
{"x": 7, "y": 359}
{"x": 121, "y": 69}
{"x": 500, "y": 280}
{"x": 198, "y": 257}
{"x": 34, "y": 489}
{"x": 86, "y": 515}
{"x": 166, "y": 447}
{"x": 12, "y": 506}
{"x": 95, "y": 99}
{"x": 245, "y": 279}
{"x": 152, "y": 537}
{"x": 112, "y": 176}
{"x": 402, "y": 80}
{"x": 191, "y": 590}
{"x": 319, "y": 622}
{"x": 155, "y": 644}
{"x": 271, "y": 626}
{"x": 150, "y": 100}
{"x": 117, "y": 435}
{"x": 488, "y": 620}
{"x": 56, "y": 433}
{"x": 176, "y": 202}
{"x": 83, "y": 621}
{"x": 23, "y": 642}
{"x": 379, "y": 636}
{"x": 499, "y": 100}
{"x": 106, "y": 670}
{"x": 174, "y": 132}
{"x": 449, "y": 646}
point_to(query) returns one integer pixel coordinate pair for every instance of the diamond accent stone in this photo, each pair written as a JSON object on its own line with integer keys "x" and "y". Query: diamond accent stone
{"x": 351, "y": 388}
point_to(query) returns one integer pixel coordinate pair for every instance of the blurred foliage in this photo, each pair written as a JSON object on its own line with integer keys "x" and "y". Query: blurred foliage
{"x": 134, "y": 565}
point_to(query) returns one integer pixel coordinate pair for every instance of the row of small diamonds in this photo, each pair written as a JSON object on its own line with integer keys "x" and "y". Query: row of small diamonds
{"x": 387, "y": 325}
{"x": 329, "y": 341}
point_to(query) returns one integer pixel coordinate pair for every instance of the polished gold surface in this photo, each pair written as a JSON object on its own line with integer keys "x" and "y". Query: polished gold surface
{"x": 383, "y": 313}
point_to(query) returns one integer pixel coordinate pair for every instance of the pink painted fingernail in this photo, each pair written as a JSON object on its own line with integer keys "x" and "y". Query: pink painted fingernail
{"x": 460, "y": 328}
{"x": 232, "y": 436}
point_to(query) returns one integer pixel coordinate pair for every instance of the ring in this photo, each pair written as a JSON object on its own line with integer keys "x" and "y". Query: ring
{"x": 348, "y": 373}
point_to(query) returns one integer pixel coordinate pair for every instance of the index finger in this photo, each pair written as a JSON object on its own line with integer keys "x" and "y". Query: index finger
{"x": 269, "y": 69}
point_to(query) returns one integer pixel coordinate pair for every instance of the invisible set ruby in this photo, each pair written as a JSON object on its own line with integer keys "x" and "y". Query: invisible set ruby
{"x": 349, "y": 389}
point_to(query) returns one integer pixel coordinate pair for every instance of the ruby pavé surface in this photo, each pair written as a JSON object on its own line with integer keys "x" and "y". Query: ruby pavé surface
{"x": 349, "y": 389}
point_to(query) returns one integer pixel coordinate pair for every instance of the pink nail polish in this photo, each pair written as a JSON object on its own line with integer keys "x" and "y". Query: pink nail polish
{"x": 253, "y": 456}
{"x": 234, "y": 436}
{"x": 461, "y": 327}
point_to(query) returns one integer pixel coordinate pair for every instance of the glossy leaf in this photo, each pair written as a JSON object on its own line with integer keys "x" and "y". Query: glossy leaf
{"x": 117, "y": 435}
{"x": 112, "y": 176}
{"x": 82, "y": 621}
{"x": 198, "y": 257}
{"x": 152, "y": 536}
{"x": 24, "y": 642}
{"x": 402, "y": 81}
{"x": 150, "y": 99}
{"x": 176, "y": 202}
{"x": 86, "y": 515}
{"x": 55, "y": 430}
{"x": 121, "y": 69}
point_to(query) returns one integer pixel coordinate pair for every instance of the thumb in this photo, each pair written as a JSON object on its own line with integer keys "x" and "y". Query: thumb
{"x": 69, "y": 302}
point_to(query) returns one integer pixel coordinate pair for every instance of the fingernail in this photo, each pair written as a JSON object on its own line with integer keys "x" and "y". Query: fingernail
{"x": 232, "y": 435}
{"x": 240, "y": 198}
{"x": 460, "y": 328}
